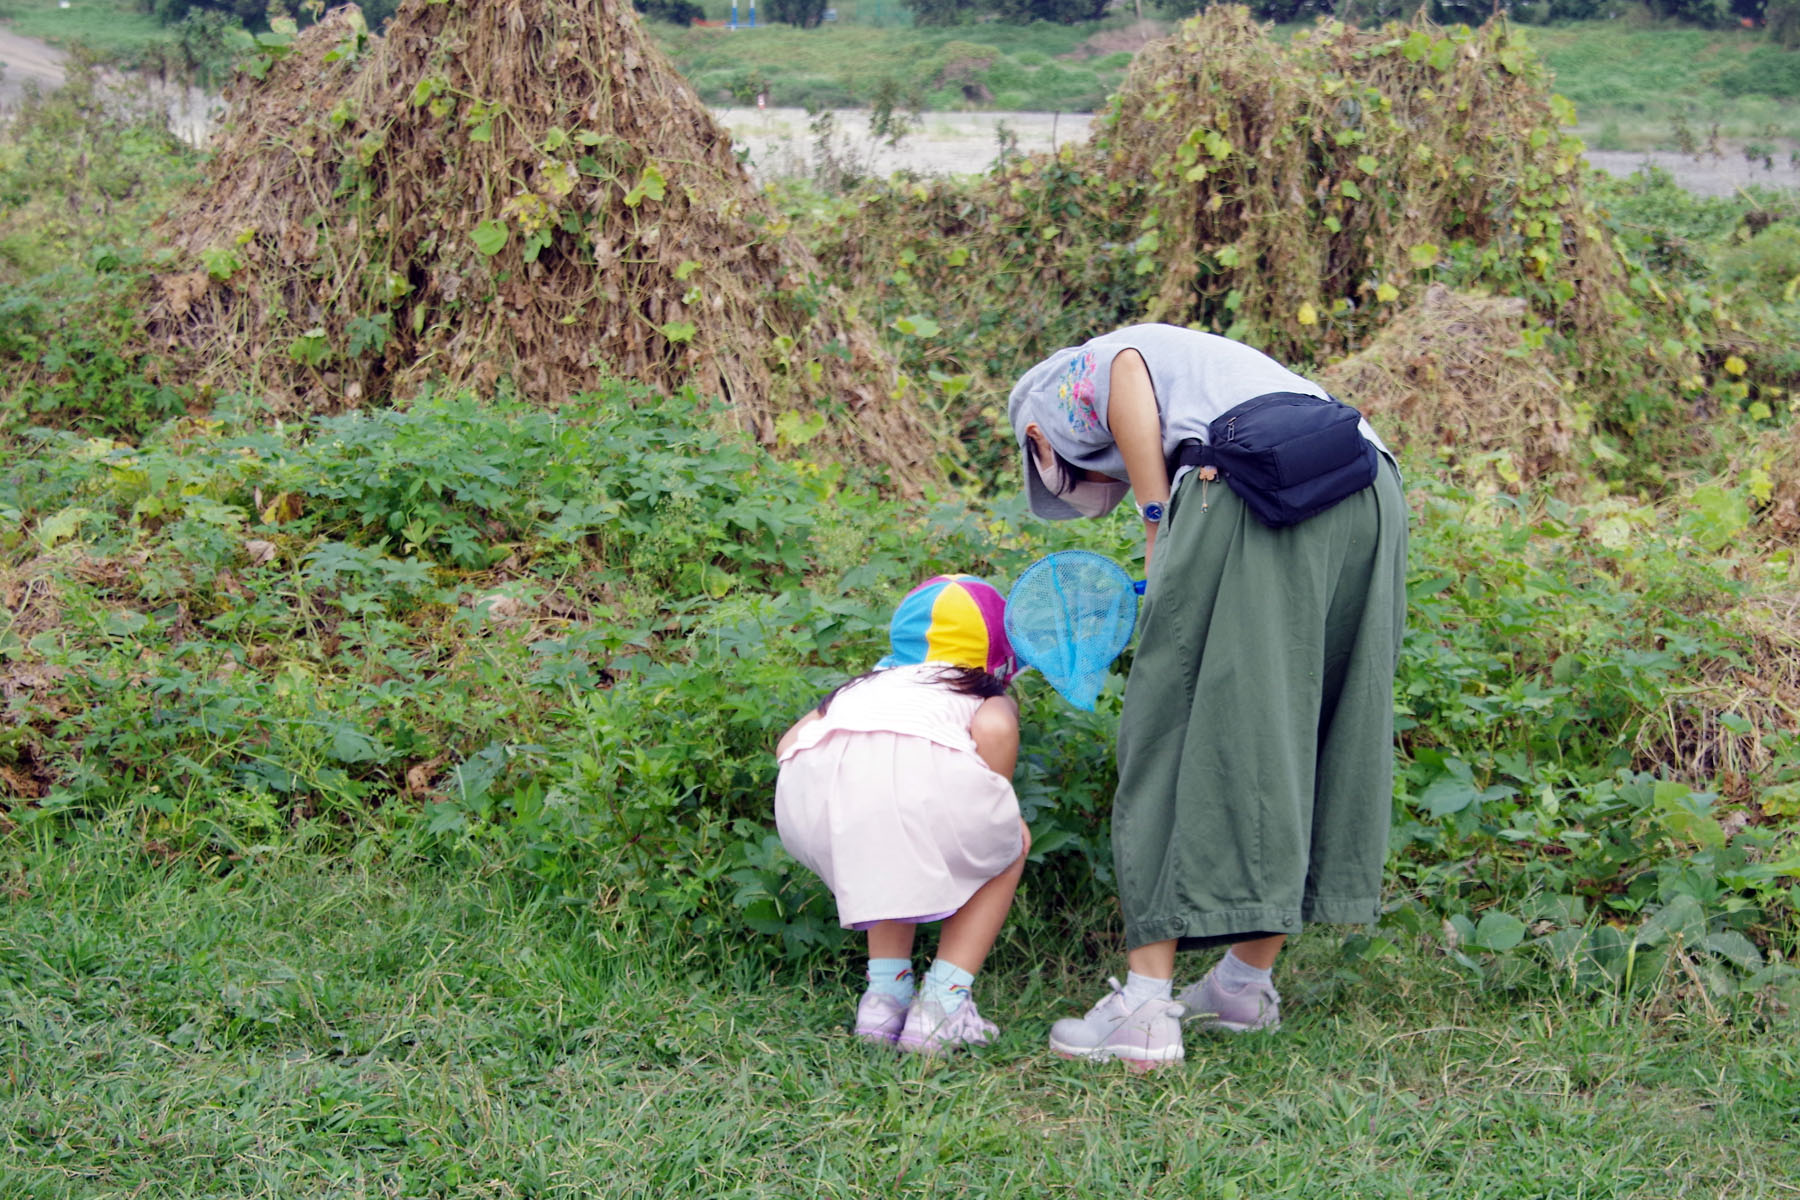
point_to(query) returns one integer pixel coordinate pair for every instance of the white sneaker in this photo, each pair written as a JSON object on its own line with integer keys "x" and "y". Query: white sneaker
{"x": 1144, "y": 1038}
{"x": 1249, "y": 1008}
{"x": 929, "y": 1030}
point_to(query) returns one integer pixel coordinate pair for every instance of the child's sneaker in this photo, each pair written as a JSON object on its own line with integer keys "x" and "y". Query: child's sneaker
{"x": 1144, "y": 1038}
{"x": 880, "y": 1018}
{"x": 930, "y": 1030}
{"x": 1251, "y": 1007}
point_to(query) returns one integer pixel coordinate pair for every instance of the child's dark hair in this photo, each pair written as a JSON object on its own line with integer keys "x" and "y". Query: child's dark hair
{"x": 968, "y": 681}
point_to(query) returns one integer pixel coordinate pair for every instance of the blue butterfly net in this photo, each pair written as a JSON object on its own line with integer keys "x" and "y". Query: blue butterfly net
{"x": 1069, "y": 616}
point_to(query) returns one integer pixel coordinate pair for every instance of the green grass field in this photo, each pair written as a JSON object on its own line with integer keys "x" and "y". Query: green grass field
{"x": 1641, "y": 87}
{"x": 309, "y": 1027}
{"x": 111, "y": 27}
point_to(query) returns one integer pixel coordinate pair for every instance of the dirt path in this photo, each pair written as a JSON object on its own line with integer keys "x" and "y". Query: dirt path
{"x": 782, "y": 141}
{"x": 25, "y": 61}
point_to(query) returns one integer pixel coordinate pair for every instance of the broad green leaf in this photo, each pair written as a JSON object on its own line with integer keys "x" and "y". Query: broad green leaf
{"x": 650, "y": 185}
{"x": 490, "y": 237}
{"x": 918, "y": 325}
{"x": 792, "y": 429}
{"x": 1498, "y": 931}
{"x": 1716, "y": 515}
{"x": 1448, "y": 794}
{"x": 350, "y": 746}
{"x": 63, "y": 525}
{"x": 1734, "y": 948}
{"x": 1424, "y": 255}
{"x": 1681, "y": 918}
{"x": 680, "y": 332}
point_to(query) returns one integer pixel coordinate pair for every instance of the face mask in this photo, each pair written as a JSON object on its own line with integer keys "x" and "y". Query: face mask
{"x": 1089, "y": 497}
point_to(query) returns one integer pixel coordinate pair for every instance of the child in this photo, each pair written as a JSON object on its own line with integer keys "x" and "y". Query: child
{"x": 897, "y": 791}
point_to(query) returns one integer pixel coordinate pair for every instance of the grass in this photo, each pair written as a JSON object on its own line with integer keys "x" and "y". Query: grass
{"x": 307, "y": 1026}
{"x": 109, "y": 27}
{"x": 1038, "y": 67}
{"x": 1639, "y": 86}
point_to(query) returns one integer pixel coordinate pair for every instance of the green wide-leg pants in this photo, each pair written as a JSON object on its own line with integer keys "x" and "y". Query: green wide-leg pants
{"x": 1256, "y": 753}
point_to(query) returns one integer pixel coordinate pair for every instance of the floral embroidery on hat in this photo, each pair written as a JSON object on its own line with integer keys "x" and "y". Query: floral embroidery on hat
{"x": 1075, "y": 392}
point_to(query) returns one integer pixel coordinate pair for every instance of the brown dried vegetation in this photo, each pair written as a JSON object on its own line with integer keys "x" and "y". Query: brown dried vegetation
{"x": 1450, "y": 373}
{"x": 339, "y": 232}
{"x": 1760, "y": 689}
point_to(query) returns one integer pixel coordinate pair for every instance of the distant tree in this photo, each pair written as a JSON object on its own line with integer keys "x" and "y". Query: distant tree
{"x": 675, "y": 12}
{"x": 943, "y": 12}
{"x": 254, "y": 13}
{"x": 1783, "y": 23}
{"x": 1063, "y": 12}
{"x": 1708, "y": 13}
{"x": 806, "y": 14}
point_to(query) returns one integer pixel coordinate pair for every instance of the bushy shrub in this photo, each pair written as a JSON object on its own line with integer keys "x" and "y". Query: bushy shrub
{"x": 942, "y": 12}
{"x": 1782, "y": 21}
{"x": 676, "y": 12}
{"x": 1765, "y": 71}
{"x": 1063, "y": 12}
{"x": 806, "y": 14}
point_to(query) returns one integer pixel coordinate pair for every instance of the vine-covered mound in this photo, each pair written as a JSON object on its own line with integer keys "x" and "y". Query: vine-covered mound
{"x": 1294, "y": 191}
{"x": 507, "y": 191}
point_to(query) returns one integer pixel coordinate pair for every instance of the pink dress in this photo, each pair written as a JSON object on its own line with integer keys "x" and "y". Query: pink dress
{"x": 886, "y": 799}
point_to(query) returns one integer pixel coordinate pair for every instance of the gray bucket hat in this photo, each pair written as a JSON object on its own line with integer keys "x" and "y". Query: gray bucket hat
{"x": 1026, "y": 406}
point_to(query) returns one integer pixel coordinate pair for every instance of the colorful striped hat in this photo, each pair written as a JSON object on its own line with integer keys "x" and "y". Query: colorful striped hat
{"x": 953, "y": 619}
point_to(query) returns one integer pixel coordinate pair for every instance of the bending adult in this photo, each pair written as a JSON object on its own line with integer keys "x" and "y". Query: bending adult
{"x": 1255, "y": 749}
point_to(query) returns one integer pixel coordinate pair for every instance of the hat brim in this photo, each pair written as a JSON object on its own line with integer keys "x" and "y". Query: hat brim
{"x": 1044, "y": 502}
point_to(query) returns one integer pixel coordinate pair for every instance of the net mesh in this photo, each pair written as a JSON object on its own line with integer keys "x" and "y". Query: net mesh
{"x": 1069, "y": 615}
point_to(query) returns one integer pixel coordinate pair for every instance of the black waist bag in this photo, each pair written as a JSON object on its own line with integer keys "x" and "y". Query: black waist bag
{"x": 1289, "y": 456}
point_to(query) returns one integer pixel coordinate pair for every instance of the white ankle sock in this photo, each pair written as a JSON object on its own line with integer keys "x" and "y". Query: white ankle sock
{"x": 1139, "y": 989}
{"x": 1235, "y": 974}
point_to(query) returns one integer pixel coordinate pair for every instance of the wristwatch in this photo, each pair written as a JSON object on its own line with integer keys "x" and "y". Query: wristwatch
{"x": 1151, "y": 512}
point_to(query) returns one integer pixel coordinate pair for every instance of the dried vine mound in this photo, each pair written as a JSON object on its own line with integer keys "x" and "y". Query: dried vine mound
{"x": 1297, "y": 191}
{"x": 509, "y": 191}
{"x": 1452, "y": 373}
{"x": 1724, "y": 725}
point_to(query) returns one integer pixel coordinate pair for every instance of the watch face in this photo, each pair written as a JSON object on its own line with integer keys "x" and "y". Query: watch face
{"x": 1153, "y": 512}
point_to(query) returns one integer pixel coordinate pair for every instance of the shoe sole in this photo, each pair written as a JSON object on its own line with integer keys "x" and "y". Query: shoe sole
{"x": 1133, "y": 1058}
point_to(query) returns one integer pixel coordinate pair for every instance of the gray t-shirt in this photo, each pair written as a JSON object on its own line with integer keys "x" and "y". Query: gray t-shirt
{"x": 1196, "y": 376}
